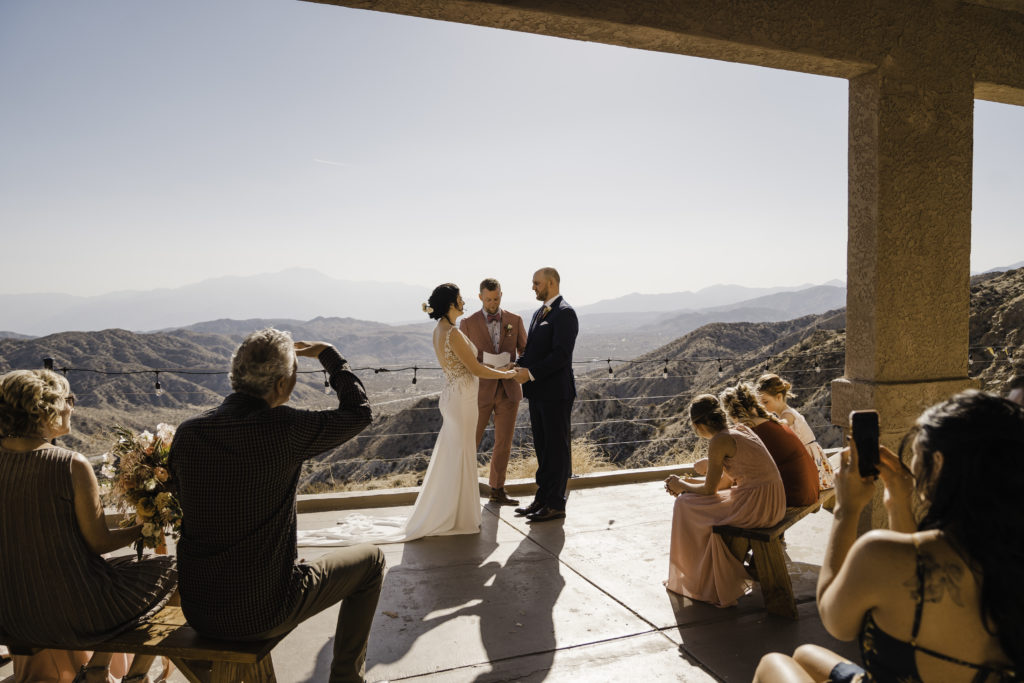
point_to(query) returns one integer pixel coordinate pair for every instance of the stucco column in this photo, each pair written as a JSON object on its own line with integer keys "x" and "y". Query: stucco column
{"x": 908, "y": 253}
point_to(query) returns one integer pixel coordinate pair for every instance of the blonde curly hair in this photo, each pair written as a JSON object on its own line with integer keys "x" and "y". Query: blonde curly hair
{"x": 31, "y": 401}
{"x": 742, "y": 404}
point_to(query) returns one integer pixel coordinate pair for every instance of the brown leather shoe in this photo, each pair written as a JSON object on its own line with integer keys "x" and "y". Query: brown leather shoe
{"x": 545, "y": 514}
{"x": 498, "y": 497}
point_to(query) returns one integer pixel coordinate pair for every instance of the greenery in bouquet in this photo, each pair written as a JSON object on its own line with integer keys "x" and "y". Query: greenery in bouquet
{"x": 142, "y": 487}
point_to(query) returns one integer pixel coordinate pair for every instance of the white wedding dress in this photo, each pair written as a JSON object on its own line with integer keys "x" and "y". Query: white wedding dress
{"x": 449, "y": 500}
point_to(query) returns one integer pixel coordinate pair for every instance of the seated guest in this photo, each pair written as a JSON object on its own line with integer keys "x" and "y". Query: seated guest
{"x": 799, "y": 475}
{"x": 773, "y": 392}
{"x": 936, "y": 597}
{"x": 57, "y": 589}
{"x": 742, "y": 488}
{"x": 237, "y": 468}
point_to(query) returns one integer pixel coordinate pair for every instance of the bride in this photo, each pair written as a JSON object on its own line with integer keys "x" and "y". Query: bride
{"x": 449, "y": 501}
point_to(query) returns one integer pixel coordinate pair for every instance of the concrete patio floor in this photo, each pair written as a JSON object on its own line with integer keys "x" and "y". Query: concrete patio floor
{"x": 578, "y": 599}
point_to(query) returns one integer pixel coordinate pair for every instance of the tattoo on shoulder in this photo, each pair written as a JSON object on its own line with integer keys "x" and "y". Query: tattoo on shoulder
{"x": 939, "y": 578}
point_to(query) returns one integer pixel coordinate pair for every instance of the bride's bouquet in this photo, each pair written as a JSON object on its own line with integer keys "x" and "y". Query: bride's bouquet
{"x": 142, "y": 485}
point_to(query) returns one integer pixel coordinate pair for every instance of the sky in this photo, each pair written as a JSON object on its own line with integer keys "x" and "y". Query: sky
{"x": 149, "y": 145}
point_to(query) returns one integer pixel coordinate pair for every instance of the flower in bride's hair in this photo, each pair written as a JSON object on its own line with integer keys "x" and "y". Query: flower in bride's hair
{"x": 427, "y": 309}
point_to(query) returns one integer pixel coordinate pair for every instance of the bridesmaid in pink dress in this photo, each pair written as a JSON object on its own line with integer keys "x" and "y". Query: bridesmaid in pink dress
{"x": 742, "y": 488}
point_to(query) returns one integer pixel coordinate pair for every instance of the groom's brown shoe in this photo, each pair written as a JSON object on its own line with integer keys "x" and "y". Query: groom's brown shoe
{"x": 545, "y": 514}
{"x": 529, "y": 509}
{"x": 498, "y": 497}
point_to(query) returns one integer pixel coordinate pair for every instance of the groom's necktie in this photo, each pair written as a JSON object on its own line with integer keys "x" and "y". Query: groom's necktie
{"x": 539, "y": 316}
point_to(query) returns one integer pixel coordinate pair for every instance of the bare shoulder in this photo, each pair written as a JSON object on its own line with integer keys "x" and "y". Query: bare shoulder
{"x": 723, "y": 443}
{"x": 458, "y": 337}
{"x": 884, "y": 553}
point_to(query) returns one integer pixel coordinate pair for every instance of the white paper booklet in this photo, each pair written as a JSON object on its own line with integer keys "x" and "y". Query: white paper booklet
{"x": 497, "y": 360}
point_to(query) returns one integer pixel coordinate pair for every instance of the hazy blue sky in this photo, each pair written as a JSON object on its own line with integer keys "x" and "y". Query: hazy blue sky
{"x": 151, "y": 145}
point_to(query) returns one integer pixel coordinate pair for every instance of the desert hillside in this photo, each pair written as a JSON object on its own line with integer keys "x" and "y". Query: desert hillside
{"x": 634, "y": 416}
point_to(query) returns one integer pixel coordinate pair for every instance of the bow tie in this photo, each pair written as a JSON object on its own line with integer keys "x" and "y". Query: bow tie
{"x": 494, "y": 317}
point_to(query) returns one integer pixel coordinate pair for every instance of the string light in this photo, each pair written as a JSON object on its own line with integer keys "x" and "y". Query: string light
{"x": 664, "y": 373}
{"x": 159, "y": 389}
{"x": 327, "y": 384}
{"x": 989, "y": 355}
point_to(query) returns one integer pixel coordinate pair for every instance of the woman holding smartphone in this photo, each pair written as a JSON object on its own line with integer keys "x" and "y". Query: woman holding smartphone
{"x": 936, "y": 597}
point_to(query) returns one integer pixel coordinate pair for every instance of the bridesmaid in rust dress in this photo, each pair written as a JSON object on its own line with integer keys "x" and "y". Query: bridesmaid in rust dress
{"x": 799, "y": 473}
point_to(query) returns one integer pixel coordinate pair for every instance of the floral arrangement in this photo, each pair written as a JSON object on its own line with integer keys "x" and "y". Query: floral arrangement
{"x": 142, "y": 485}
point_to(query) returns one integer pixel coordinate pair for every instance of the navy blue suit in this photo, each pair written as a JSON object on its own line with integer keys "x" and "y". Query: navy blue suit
{"x": 551, "y": 392}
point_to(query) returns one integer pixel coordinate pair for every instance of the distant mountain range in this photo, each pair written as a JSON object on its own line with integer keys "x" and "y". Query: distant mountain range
{"x": 296, "y": 293}
{"x": 300, "y": 294}
{"x": 715, "y": 296}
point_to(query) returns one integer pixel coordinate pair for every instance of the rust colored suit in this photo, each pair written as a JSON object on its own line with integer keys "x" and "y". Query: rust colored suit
{"x": 500, "y": 397}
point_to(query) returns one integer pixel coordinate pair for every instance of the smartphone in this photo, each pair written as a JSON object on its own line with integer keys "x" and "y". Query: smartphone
{"x": 865, "y": 435}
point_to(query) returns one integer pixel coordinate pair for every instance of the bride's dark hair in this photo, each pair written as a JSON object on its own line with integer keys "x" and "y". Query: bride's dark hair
{"x": 441, "y": 300}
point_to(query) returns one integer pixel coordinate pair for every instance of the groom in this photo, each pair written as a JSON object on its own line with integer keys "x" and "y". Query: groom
{"x": 545, "y": 371}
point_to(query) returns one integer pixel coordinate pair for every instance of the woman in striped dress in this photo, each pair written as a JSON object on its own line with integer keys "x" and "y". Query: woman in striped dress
{"x": 58, "y": 590}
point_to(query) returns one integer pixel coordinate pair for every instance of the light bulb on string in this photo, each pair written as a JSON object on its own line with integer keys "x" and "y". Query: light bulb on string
{"x": 414, "y": 370}
{"x": 720, "y": 370}
{"x": 664, "y": 373}
{"x": 327, "y": 383}
{"x": 611, "y": 373}
{"x": 817, "y": 365}
{"x": 159, "y": 390}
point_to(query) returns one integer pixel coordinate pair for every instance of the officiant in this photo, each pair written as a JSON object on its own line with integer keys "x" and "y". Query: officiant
{"x": 500, "y": 338}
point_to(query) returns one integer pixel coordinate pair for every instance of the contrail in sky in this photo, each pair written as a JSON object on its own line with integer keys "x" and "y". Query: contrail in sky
{"x": 332, "y": 163}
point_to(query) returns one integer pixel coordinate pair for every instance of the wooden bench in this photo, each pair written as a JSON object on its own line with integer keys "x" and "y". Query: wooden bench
{"x": 200, "y": 660}
{"x": 767, "y": 563}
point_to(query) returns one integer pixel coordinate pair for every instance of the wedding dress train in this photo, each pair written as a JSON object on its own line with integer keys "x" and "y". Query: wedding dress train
{"x": 449, "y": 500}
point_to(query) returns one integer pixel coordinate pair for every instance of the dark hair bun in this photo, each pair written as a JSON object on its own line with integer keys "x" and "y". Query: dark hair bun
{"x": 441, "y": 300}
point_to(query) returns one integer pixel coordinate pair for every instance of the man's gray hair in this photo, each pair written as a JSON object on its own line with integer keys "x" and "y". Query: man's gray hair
{"x": 261, "y": 360}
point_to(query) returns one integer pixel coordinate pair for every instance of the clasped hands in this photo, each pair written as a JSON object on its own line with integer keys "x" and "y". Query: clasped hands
{"x": 674, "y": 484}
{"x": 521, "y": 375}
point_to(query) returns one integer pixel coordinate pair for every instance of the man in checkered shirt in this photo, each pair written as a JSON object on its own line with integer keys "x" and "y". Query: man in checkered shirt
{"x": 237, "y": 469}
